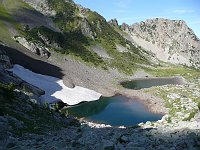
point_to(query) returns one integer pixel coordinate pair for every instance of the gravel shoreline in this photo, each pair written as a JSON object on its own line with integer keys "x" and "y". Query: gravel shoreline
{"x": 152, "y": 103}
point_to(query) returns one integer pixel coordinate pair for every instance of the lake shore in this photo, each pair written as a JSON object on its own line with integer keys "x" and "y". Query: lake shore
{"x": 152, "y": 103}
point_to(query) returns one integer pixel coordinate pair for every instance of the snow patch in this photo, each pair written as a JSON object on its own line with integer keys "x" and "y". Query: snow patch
{"x": 54, "y": 88}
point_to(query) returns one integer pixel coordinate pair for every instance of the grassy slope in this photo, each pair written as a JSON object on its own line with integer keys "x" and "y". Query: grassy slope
{"x": 7, "y": 21}
{"x": 108, "y": 38}
{"x": 5, "y": 17}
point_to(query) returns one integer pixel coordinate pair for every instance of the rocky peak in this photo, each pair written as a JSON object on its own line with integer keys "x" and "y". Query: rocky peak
{"x": 113, "y": 22}
{"x": 173, "y": 38}
{"x": 82, "y": 10}
{"x": 125, "y": 27}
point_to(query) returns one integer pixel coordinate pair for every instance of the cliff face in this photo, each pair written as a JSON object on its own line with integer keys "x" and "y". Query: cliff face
{"x": 170, "y": 40}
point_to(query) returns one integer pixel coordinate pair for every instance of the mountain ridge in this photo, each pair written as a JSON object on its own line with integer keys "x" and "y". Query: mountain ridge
{"x": 170, "y": 40}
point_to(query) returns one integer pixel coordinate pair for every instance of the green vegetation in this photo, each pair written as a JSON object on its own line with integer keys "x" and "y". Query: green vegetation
{"x": 7, "y": 21}
{"x": 65, "y": 17}
{"x": 4, "y": 17}
{"x": 70, "y": 43}
{"x": 7, "y": 17}
{"x": 186, "y": 72}
{"x": 187, "y": 102}
{"x": 7, "y": 90}
{"x": 108, "y": 37}
{"x": 192, "y": 114}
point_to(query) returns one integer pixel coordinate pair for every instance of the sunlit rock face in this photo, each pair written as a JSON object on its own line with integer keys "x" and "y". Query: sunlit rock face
{"x": 41, "y": 6}
{"x": 170, "y": 40}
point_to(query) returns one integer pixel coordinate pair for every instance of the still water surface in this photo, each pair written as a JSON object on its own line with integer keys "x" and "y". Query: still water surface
{"x": 116, "y": 111}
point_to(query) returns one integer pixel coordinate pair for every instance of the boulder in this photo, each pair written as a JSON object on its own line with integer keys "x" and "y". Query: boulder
{"x": 68, "y": 82}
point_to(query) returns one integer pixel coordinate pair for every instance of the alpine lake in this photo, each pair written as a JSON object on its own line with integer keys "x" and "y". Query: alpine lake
{"x": 120, "y": 110}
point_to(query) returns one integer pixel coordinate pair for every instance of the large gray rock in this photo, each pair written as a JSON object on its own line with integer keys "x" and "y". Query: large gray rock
{"x": 50, "y": 43}
{"x": 36, "y": 47}
{"x": 41, "y": 6}
{"x": 68, "y": 82}
{"x": 101, "y": 51}
{"x": 108, "y": 145}
{"x": 86, "y": 29}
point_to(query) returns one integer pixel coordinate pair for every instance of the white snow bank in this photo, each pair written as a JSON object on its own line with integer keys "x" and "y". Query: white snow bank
{"x": 54, "y": 88}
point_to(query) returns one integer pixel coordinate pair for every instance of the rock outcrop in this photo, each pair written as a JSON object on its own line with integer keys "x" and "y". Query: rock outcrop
{"x": 113, "y": 22}
{"x": 41, "y": 6}
{"x": 4, "y": 60}
{"x": 82, "y": 10}
{"x": 125, "y": 27}
{"x": 86, "y": 29}
{"x": 170, "y": 40}
{"x": 35, "y": 47}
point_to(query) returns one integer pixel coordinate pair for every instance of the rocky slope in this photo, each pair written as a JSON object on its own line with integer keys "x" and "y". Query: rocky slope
{"x": 170, "y": 40}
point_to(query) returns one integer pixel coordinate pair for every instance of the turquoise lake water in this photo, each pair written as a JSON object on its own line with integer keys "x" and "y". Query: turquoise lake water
{"x": 116, "y": 111}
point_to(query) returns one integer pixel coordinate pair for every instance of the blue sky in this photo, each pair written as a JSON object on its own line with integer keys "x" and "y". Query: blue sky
{"x": 131, "y": 11}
